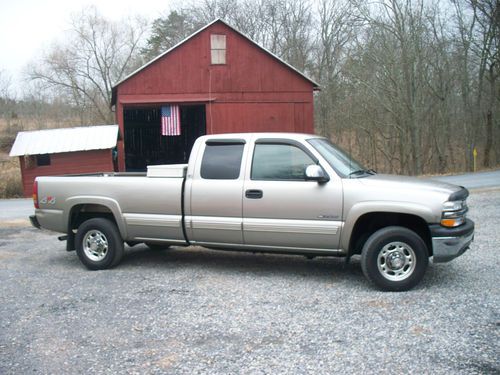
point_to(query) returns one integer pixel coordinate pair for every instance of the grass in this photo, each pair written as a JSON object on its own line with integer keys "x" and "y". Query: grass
{"x": 10, "y": 178}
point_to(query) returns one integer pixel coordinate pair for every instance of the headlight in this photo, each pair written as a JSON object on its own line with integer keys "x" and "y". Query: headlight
{"x": 454, "y": 213}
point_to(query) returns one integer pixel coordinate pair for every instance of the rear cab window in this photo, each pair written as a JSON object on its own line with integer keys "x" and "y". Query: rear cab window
{"x": 222, "y": 159}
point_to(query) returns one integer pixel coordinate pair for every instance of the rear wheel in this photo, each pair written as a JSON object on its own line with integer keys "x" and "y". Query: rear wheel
{"x": 394, "y": 258}
{"x": 99, "y": 244}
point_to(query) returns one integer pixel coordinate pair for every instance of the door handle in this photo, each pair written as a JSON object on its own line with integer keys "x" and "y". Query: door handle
{"x": 254, "y": 194}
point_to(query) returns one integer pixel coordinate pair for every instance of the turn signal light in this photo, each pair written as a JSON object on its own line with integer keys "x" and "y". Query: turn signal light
{"x": 452, "y": 223}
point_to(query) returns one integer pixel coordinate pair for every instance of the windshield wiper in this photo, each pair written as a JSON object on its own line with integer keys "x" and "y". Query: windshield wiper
{"x": 360, "y": 172}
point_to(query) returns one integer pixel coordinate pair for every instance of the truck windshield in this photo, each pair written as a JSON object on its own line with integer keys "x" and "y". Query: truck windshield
{"x": 339, "y": 160}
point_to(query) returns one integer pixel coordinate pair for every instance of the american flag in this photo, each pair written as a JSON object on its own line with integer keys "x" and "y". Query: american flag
{"x": 170, "y": 120}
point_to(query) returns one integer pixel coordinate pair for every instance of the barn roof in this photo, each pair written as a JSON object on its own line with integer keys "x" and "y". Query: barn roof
{"x": 51, "y": 141}
{"x": 113, "y": 96}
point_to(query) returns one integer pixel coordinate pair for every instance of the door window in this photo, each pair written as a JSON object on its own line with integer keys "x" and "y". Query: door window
{"x": 279, "y": 162}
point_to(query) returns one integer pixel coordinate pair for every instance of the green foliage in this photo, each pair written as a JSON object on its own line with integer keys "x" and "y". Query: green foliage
{"x": 167, "y": 32}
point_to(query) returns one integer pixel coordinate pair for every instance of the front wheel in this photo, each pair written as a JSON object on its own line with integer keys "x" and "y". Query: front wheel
{"x": 99, "y": 244}
{"x": 394, "y": 258}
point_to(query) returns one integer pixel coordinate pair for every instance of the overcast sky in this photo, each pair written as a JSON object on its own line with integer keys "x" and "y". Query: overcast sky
{"x": 26, "y": 26}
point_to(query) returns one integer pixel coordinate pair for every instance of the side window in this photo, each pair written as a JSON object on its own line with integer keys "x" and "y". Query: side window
{"x": 221, "y": 161}
{"x": 279, "y": 162}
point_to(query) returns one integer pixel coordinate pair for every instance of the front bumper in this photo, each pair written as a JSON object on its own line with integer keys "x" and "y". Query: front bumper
{"x": 449, "y": 243}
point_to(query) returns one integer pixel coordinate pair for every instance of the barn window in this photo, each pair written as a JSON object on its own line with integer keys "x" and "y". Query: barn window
{"x": 43, "y": 159}
{"x": 218, "y": 48}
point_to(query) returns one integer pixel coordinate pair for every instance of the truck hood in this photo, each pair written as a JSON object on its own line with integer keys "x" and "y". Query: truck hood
{"x": 408, "y": 184}
{"x": 388, "y": 193}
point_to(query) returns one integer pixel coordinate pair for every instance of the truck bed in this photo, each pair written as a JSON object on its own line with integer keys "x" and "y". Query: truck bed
{"x": 150, "y": 206}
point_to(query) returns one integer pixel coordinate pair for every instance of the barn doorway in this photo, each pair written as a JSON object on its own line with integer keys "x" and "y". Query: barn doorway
{"x": 144, "y": 144}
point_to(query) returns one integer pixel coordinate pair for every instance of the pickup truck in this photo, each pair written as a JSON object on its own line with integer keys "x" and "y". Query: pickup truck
{"x": 268, "y": 192}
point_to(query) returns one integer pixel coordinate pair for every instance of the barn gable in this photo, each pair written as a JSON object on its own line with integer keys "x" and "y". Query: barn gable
{"x": 192, "y": 56}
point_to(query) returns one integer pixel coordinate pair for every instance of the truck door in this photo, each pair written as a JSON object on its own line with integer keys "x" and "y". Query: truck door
{"x": 216, "y": 191}
{"x": 283, "y": 210}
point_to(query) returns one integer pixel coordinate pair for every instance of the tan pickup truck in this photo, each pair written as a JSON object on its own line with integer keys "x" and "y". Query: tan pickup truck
{"x": 270, "y": 192}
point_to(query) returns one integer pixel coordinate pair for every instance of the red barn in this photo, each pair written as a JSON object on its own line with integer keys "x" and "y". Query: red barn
{"x": 54, "y": 152}
{"x": 216, "y": 81}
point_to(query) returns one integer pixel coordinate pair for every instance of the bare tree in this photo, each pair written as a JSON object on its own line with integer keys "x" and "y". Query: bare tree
{"x": 337, "y": 22}
{"x": 8, "y": 102}
{"x": 486, "y": 46}
{"x": 96, "y": 54}
{"x": 5, "y": 85}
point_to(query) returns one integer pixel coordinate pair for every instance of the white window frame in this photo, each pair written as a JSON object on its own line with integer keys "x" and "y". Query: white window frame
{"x": 218, "y": 49}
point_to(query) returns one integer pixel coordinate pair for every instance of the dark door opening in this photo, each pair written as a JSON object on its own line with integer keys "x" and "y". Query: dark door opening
{"x": 144, "y": 144}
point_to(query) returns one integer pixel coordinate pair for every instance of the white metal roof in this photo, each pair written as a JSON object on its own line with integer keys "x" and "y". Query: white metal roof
{"x": 51, "y": 141}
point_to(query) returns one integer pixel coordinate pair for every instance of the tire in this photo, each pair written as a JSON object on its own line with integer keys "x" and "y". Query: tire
{"x": 99, "y": 244}
{"x": 156, "y": 246}
{"x": 394, "y": 259}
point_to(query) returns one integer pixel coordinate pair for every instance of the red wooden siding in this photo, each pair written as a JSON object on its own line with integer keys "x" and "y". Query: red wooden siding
{"x": 67, "y": 163}
{"x": 187, "y": 69}
{"x": 257, "y": 117}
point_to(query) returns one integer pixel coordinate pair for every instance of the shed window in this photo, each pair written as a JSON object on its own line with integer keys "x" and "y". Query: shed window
{"x": 43, "y": 159}
{"x": 218, "y": 48}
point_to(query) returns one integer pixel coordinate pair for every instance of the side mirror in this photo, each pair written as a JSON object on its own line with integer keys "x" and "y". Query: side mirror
{"x": 316, "y": 173}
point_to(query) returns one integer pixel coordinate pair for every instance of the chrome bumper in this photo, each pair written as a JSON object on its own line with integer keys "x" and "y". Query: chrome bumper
{"x": 447, "y": 244}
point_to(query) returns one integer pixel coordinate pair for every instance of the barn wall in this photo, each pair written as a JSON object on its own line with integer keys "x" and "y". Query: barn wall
{"x": 259, "y": 117}
{"x": 67, "y": 163}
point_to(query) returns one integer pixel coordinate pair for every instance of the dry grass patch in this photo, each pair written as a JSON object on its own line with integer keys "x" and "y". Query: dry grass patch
{"x": 10, "y": 178}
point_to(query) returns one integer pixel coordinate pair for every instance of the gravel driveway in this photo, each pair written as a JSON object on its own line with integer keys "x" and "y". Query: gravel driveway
{"x": 187, "y": 311}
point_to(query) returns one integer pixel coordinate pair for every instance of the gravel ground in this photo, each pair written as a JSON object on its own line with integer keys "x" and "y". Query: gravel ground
{"x": 188, "y": 311}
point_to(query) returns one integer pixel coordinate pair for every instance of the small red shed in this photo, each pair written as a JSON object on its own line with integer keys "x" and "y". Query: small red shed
{"x": 216, "y": 81}
{"x": 55, "y": 152}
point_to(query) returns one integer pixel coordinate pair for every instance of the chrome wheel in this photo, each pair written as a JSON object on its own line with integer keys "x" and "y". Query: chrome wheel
{"x": 95, "y": 245}
{"x": 396, "y": 261}
{"x": 99, "y": 244}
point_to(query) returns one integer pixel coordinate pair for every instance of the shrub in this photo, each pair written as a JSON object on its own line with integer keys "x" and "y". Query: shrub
{"x": 6, "y": 142}
{"x": 10, "y": 179}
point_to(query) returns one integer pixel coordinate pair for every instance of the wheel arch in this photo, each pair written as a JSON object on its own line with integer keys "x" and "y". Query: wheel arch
{"x": 368, "y": 223}
{"x": 84, "y": 208}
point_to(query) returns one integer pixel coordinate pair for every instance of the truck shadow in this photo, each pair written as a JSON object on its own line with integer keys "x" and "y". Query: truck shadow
{"x": 236, "y": 262}
{"x": 330, "y": 269}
